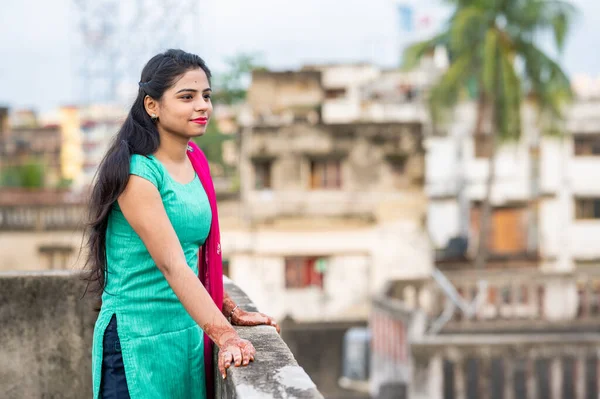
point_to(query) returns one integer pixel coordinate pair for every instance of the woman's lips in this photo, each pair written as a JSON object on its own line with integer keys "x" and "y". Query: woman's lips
{"x": 200, "y": 121}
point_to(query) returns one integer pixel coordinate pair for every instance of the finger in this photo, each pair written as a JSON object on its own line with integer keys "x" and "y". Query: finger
{"x": 249, "y": 349}
{"x": 271, "y": 322}
{"x": 248, "y": 354}
{"x": 228, "y": 357}
{"x": 222, "y": 369}
{"x": 224, "y": 362}
{"x": 266, "y": 319}
{"x": 258, "y": 319}
{"x": 237, "y": 357}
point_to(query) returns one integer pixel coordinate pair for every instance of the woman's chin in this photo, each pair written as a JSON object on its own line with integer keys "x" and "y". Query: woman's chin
{"x": 199, "y": 133}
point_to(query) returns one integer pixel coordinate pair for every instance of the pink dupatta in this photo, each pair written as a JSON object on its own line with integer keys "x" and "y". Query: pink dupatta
{"x": 210, "y": 267}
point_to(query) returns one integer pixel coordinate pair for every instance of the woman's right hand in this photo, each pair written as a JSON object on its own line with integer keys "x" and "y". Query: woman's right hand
{"x": 237, "y": 350}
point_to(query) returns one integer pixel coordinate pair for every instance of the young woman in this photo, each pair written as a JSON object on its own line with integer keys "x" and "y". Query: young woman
{"x": 154, "y": 247}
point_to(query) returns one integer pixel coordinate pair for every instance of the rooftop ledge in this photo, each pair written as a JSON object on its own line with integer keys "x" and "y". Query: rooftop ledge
{"x": 274, "y": 372}
{"x": 46, "y": 340}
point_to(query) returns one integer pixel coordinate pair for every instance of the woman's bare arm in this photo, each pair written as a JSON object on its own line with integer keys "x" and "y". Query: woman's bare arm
{"x": 143, "y": 208}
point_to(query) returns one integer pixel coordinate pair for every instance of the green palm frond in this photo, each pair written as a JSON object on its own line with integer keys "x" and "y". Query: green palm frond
{"x": 490, "y": 58}
{"x": 546, "y": 80}
{"x": 413, "y": 54}
{"x": 466, "y": 29}
{"x": 446, "y": 93}
{"x": 509, "y": 120}
{"x": 494, "y": 56}
{"x": 531, "y": 16}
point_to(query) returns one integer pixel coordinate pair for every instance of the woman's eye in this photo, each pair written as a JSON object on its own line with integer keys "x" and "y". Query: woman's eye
{"x": 186, "y": 97}
{"x": 207, "y": 96}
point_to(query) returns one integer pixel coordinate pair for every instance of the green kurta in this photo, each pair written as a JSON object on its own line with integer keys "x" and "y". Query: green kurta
{"x": 161, "y": 344}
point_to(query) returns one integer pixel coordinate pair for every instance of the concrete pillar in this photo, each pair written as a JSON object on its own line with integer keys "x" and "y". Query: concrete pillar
{"x": 509, "y": 378}
{"x": 436, "y": 378}
{"x": 485, "y": 370}
{"x": 531, "y": 379}
{"x": 460, "y": 379}
{"x": 580, "y": 376}
{"x": 556, "y": 378}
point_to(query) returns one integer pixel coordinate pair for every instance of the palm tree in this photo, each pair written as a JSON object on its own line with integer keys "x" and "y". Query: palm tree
{"x": 496, "y": 60}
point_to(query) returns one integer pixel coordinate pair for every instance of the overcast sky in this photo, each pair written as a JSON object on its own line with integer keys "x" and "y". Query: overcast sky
{"x": 38, "y": 39}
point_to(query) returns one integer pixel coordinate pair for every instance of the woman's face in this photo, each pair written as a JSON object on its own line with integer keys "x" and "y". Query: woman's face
{"x": 185, "y": 108}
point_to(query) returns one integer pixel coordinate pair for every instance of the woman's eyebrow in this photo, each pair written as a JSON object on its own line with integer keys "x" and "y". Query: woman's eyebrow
{"x": 193, "y": 90}
{"x": 187, "y": 90}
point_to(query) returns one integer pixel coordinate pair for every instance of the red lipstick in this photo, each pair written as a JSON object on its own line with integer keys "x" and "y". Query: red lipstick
{"x": 200, "y": 121}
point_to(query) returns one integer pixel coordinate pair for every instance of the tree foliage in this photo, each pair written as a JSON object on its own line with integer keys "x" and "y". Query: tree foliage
{"x": 29, "y": 175}
{"x": 494, "y": 48}
{"x": 496, "y": 59}
{"x": 231, "y": 85}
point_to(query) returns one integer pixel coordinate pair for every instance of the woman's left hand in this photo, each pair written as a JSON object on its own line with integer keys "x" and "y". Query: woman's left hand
{"x": 243, "y": 318}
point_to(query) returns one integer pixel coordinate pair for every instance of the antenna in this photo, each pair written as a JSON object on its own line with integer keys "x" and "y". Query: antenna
{"x": 116, "y": 38}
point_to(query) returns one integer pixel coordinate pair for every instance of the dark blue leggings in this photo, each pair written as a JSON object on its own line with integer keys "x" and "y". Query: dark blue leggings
{"x": 113, "y": 384}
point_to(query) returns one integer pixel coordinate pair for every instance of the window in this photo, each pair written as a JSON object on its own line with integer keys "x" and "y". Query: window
{"x": 55, "y": 256}
{"x": 397, "y": 164}
{"x": 492, "y": 295}
{"x": 303, "y": 272}
{"x": 506, "y": 295}
{"x": 586, "y": 144}
{"x": 508, "y": 229}
{"x": 262, "y": 174}
{"x": 326, "y": 174}
{"x": 483, "y": 145}
{"x": 335, "y": 93}
{"x": 587, "y": 208}
{"x": 523, "y": 295}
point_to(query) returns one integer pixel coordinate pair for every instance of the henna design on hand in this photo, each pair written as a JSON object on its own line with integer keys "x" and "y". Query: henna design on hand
{"x": 243, "y": 318}
{"x": 232, "y": 348}
{"x": 228, "y": 305}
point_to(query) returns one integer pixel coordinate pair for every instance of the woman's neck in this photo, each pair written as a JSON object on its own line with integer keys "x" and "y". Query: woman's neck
{"x": 172, "y": 148}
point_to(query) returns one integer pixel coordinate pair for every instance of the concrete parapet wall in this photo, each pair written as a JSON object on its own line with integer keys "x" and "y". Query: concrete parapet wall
{"x": 45, "y": 336}
{"x": 275, "y": 372}
{"x": 46, "y": 339}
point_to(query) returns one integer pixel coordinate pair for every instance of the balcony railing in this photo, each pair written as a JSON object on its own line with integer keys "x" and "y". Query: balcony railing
{"x": 516, "y": 363}
{"x": 512, "y": 300}
{"x": 506, "y": 366}
{"x": 42, "y": 217}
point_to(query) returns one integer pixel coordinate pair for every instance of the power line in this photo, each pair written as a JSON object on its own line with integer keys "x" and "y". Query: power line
{"x": 116, "y": 38}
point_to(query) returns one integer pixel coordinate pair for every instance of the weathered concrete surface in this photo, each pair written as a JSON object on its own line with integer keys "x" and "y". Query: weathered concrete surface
{"x": 45, "y": 336}
{"x": 46, "y": 339}
{"x": 274, "y": 373}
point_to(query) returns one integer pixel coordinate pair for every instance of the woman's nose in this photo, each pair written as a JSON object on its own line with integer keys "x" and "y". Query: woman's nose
{"x": 201, "y": 105}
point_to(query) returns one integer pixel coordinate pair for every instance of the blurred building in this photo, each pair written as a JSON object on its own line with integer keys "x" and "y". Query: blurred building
{"x": 29, "y": 154}
{"x": 366, "y": 93}
{"x": 57, "y": 145}
{"x": 41, "y": 229}
{"x": 527, "y": 324}
{"x": 99, "y": 124}
{"x": 333, "y": 202}
{"x": 71, "y": 154}
{"x": 546, "y": 206}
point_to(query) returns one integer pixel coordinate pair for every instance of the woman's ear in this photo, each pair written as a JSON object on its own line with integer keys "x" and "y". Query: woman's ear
{"x": 151, "y": 106}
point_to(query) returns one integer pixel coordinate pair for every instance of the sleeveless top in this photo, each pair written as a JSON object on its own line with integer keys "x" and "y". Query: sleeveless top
{"x": 162, "y": 346}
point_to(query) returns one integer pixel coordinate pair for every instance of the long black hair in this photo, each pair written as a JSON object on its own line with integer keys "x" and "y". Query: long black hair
{"x": 137, "y": 135}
